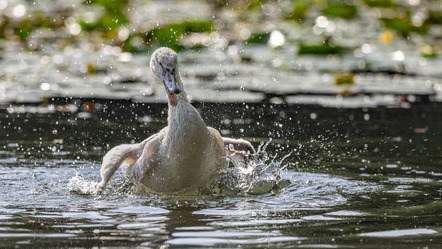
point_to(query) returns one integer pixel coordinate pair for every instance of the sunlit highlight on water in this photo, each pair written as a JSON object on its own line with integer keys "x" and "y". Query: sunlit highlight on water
{"x": 19, "y": 11}
{"x": 277, "y": 39}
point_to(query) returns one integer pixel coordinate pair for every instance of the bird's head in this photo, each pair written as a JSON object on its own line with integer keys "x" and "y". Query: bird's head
{"x": 164, "y": 64}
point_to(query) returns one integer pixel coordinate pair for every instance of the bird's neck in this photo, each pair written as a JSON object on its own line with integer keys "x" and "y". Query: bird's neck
{"x": 185, "y": 126}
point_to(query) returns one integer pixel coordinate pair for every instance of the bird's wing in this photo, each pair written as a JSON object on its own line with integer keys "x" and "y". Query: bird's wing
{"x": 217, "y": 136}
{"x": 124, "y": 154}
{"x": 237, "y": 150}
{"x": 149, "y": 158}
{"x": 238, "y": 145}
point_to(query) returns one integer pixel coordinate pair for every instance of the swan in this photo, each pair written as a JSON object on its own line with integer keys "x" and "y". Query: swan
{"x": 186, "y": 154}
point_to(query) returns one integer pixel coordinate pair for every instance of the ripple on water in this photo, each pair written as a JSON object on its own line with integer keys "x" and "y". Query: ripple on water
{"x": 92, "y": 215}
{"x": 308, "y": 193}
{"x": 269, "y": 199}
{"x": 5, "y": 217}
{"x": 347, "y": 213}
{"x": 33, "y": 235}
{"x": 239, "y": 237}
{"x": 139, "y": 210}
{"x": 399, "y": 233}
{"x": 255, "y": 222}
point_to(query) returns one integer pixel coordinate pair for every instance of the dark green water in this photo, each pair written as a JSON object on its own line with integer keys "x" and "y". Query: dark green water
{"x": 356, "y": 178}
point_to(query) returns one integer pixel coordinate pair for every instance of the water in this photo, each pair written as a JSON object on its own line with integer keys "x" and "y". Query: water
{"x": 327, "y": 178}
{"x": 364, "y": 176}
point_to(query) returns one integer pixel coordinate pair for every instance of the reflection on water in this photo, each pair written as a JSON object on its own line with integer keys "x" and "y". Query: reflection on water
{"x": 345, "y": 182}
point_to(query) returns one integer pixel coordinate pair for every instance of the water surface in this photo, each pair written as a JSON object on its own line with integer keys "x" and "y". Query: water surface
{"x": 358, "y": 178}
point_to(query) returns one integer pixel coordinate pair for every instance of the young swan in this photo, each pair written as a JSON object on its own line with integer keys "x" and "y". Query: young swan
{"x": 186, "y": 154}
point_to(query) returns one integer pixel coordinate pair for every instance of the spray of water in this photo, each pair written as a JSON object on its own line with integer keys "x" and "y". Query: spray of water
{"x": 258, "y": 175}
{"x": 79, "y": 185}
{"x": 120, "y": 185}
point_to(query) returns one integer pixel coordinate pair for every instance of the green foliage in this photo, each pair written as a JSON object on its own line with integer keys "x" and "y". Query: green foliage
{"x": 197, "y": 26}
{"x": 403, "y": 26}
{"x": 323, "y": 49}
{"x": 24, "y": 29}
{"x": 128, "y": 45}
{"x": 111, "y": 6}
{"x": 2, "y": 28}
{"x": 344, "y": 79}
{"x": 428, "y": 51}
{"x": 166, "y": 36}
{"x": 434, "y": 18}
{"x": 299, "y": 12}
{"x": 113, "y": 18}
{"x": 255, "y": 5}
{"x": 260, "y": 38}
{"x": 112, "y": 14}
{"x": 170, "y": 35}
{"x": 89, "y": 27}
{"x": 343, "y": 11}
{"x": 380, "y": 3}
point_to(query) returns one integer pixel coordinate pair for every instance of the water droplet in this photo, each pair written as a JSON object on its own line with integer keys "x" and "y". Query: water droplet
{"x": 45, "y": 86}
{"x": 366, "y": 48}
{"x": 277, "y": 39}
{"x": 19, "y": 10}
{"x": 398, "y": 55}
{"x": 3, "y": 4}
{"x": 321, "y": 22}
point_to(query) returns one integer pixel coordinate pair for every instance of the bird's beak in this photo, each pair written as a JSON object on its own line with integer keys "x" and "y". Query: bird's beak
{"x": 171, "y": 87}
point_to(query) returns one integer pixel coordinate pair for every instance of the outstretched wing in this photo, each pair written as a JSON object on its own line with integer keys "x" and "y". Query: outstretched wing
{"x": 232, "y": 145}
{"x": 238, "y": 145}
{"x": 238, "y": 151}
{"x": 125, "y": 154}
{"x": 149, "y": 158}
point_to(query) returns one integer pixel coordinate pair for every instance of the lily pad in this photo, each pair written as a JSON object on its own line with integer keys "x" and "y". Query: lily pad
{"x": 323, "y": 49}
{"x": 299, "y": 12}
{"x": 344, "y": 79}
{"x": 403, "y": 26}
{"x": 259, "y": 38}
{"x": 113, "y": 18}
{"x": 380, "y": 3}
{"x": 170, "y": 35}
{"x": 343, "y": 11}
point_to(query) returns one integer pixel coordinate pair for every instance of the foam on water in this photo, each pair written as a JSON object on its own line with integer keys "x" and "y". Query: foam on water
{"x": 79, "y": 185}
{"x": 120, "y": 185}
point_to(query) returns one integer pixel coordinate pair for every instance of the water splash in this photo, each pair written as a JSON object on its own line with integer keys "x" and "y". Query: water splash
{"x": 79, "y": 185}
{"x": 258, "y": 175}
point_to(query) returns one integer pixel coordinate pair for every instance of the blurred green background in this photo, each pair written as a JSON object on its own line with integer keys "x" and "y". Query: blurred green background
{"x": 312, "y": 26}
